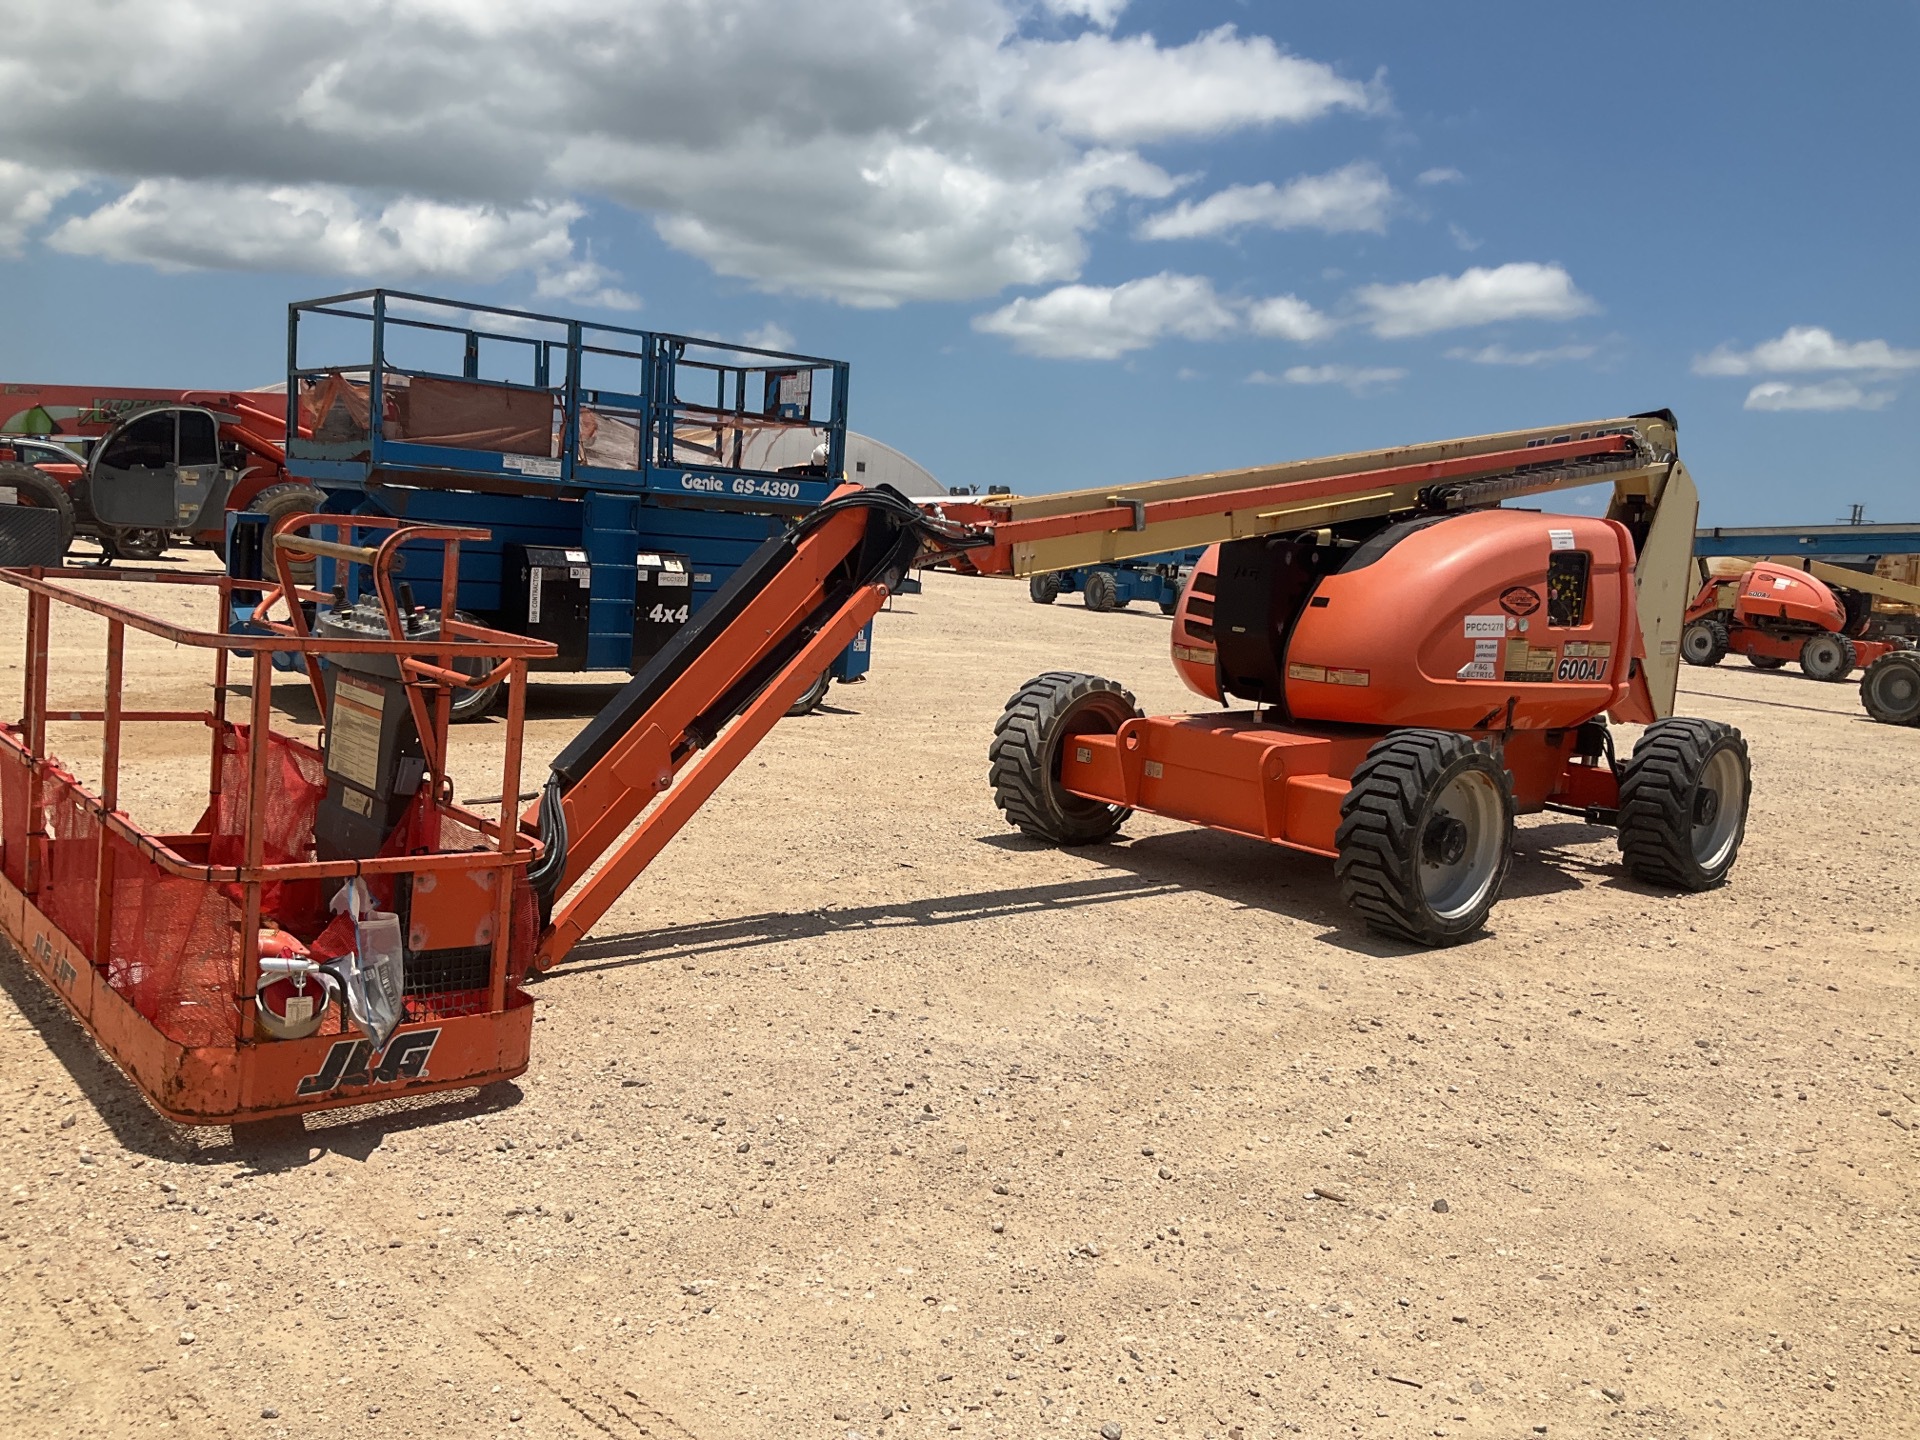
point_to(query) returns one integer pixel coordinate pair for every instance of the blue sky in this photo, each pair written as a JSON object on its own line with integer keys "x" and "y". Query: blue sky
{"x": 1064, "y": 243}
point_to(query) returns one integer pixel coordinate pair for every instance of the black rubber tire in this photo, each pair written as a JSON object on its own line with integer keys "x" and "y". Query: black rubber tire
{"x": 1044, "y": 589}
{"x": 1168, "y": 607}
{"x": 1828, "y": 657}
{"x": 277, "y": 502}
{"x": 1393, "y": 816}
{"x": 133, "y": 544}
{"x": 470, "y": 705}
{"x": 1890, "y": 688}
{"x": 1704, "y": 642}
{"x": 41, "y": 491}
{"x": 1661, "y": 805}
{"x": 1031, "y": 736}
{"x": 1101, "y": 591}
{"x": 811, "y": 697}
{"x": 1765, "y": 662}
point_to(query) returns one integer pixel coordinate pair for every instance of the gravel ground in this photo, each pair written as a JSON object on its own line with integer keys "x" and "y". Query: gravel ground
{"x": 862, "y": 1116}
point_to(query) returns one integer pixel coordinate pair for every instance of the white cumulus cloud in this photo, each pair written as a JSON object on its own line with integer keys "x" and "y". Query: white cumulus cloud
{"x": 1501, "y": 355}
{"x": 27, "y": 197}
{"x": 1102, "y": 322}
{"x": 1802, "y": 349}
{"x": 1135, "y": 89}
{"x": 1354, "y": 197}
{"x": 870, "y": 151}
{"x": 1357, "y": 378}
{"x": 324, "y": 229}
{"x": 1288, "y": 317}
{"x": 1103, "y": 13}
{"x": 1439, "y": 175}
{"x": 1822, "y": 395}
{"x": 1524, "y": 290}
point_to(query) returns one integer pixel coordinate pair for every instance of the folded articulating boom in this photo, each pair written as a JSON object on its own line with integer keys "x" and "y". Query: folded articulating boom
{"x": 1415, "y": 664}
{"x": 1481, "y": 661}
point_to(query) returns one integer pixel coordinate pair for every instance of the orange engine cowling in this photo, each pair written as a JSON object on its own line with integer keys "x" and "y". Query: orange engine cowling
{"x": 1488, "y": 619}
{"x": 1769, "y": 594}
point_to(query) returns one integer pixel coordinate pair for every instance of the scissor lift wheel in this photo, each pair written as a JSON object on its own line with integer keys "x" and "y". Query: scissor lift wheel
{"x": 1040, "y": 720}
{"x": 1425, "y": 836}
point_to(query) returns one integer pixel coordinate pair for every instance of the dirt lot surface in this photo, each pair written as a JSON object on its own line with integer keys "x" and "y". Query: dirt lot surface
{"x": 861, "y": 1116}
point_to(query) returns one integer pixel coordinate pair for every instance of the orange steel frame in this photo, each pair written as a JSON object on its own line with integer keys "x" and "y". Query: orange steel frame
{"x": 661, "y": 758}
{"x": 252, "y": 1078}
{"x": 1237, "y": 772}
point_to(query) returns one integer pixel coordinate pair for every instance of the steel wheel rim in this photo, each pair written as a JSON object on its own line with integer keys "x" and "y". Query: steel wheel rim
{"x": 1713, "y": 838}
{"x": 1897, "y": 687}
{"x": 1824, "y": 653}
{"x": 1698, "y": 643}
{"x": 1456, "y": 889}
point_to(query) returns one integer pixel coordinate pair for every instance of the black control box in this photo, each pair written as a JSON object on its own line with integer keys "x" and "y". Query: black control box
{"x": 662, "y": 600}
{"x": 546, "y": 593}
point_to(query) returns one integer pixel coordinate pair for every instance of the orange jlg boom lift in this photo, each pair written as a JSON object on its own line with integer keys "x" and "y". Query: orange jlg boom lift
{"x": 1397, "y": 664}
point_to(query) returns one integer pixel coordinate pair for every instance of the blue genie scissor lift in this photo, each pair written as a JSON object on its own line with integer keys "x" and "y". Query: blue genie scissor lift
{"x": 1155, "y": 578}
{"x": 624, "y": 474}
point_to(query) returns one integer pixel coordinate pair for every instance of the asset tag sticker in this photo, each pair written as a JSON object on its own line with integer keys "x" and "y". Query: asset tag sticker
{"x": 1475, "y": 670}
{"x": 1480, "y": 627}
{"x": 531, "y": 465}
{"x": 1561, "y": 539}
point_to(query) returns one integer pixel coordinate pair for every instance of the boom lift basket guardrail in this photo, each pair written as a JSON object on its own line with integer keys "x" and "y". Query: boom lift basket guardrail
{"x": 165, "y": 944}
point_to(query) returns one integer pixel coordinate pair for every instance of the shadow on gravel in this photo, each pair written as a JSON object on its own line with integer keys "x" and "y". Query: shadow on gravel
{"x": 264, "y": 1145}
{"x": 745, "y": 932}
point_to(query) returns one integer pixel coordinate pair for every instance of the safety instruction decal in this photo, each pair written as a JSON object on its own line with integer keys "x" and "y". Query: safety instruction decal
{"x": 1526, "y": 661}
{"x": 1326, "y": 675}
{"x": 1560, "y": 539}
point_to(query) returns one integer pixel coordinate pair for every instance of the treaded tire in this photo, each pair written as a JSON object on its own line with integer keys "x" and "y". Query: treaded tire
{"x": 1044, "y": 589}
{"x": 1392, "y": 820}
{"x": 811, "y": 697}
{"x": 1101, "y": 592}
{"x": 1890, "y": 689}
{"x": 137, "y": 544}
{"x": 1704, "y": 642}
{"x": 1828, "y": 657}
{"x": 1765, "y": 662}
{"x": 41, "y": 491}
{"x": 277, "y": 502}
{"x": 1666, "y": 837}
{"x": 1023, "y": 762}
{"x": 468, "y": 706}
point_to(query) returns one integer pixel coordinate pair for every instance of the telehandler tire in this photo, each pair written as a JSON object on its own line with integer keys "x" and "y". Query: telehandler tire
{"x": 1704, "y": 642}
{"x": 1029, "y": 742}
{"x": 1101, "y": 592}
{"x": 277, "y": 502}
{"x": 40, "y": 491}
{"x": 1425, "y": 837}
{"x": 1683, "y": 803}
{"x": 1044, "y": 589}
{"x": 1828, "y": 657}
{"x": 1890, "y": 690}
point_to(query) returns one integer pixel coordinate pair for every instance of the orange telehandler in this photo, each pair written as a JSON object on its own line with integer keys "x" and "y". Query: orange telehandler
{"x": 1419, "y": 666}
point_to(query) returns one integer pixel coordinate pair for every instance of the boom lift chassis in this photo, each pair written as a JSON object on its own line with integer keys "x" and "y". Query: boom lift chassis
{"x": 619, "y": 792}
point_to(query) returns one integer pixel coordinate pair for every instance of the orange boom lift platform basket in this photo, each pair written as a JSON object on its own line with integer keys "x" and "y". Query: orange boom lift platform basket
{"x": 173, "y": 949}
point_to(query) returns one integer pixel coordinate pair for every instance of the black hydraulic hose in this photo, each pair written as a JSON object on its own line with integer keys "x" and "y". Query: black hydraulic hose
{"x": 914, "y": 530}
